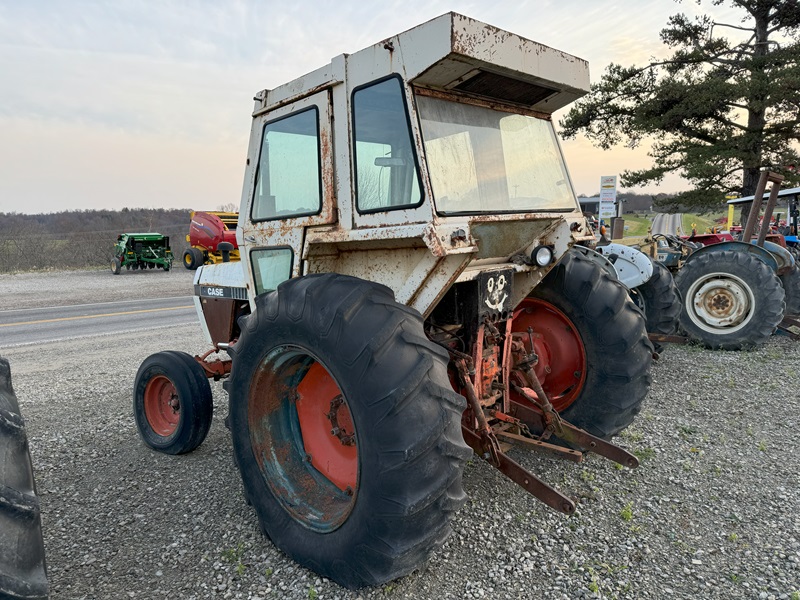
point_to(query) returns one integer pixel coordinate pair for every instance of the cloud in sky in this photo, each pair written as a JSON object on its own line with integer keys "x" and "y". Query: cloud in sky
{"x": 136, "y": 103}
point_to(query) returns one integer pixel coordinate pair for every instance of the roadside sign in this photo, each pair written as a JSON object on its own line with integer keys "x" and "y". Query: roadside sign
{"x": 608, "y": 196}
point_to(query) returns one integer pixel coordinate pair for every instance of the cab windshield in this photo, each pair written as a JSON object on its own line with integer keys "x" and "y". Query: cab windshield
{"x": 482, "y": 160}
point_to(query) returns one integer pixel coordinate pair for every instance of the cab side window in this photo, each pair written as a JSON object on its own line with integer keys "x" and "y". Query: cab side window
{"x": 386, "y": 170}
{"x": 288, "y": 182}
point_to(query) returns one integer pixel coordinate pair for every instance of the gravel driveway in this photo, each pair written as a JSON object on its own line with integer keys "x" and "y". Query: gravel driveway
{"x": 713, "y": 511}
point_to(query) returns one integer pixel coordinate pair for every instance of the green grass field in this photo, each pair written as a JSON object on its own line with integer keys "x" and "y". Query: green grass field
{"x": 637, "y": 226}
{"x": 700, "y": 222}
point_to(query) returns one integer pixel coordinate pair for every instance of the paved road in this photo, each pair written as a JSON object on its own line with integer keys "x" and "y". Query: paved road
{"x": 43, "y": 325}
{"x": 667, "y": 224}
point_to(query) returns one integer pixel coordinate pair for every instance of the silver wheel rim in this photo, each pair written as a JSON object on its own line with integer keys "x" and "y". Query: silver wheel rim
{"x": 720, "y": 303}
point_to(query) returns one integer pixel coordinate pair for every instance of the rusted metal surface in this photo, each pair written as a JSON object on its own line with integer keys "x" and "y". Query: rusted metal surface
{"x": 485, "y": 384}
{"x": 214, "y": 369}
{"x": 790, "y": 327}
{"x": 278, "y": 441}
{"x": 668, "y": 339}
{"x": 220, "y": 316}
{"x": 755, "y": 209}
{"x": 483, "y": 102}
{"x": 519, "y": 475}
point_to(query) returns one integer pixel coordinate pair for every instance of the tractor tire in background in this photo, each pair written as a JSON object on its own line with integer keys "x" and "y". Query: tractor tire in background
{"x": 791, "y": 287}
{"x": 731, "y": 300}
{"x": 593, "y": 340}
{"x": 345, "y": 428}
{"x": 172, "y": 402}
{"x": 115, "y": 266}
{"x": 22, "y": 559}
{"x": 660, "y": 302}
{"x": 193, "y": 258}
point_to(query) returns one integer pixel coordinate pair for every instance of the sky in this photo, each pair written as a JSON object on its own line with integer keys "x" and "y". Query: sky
{"x": 136, "y": 103}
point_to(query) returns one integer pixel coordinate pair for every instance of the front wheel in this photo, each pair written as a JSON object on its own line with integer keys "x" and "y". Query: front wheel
{"x": 660, "y": 301}
{"x": 172, "y": 402}
{"x": 731, "y": 300}
{"x": 345, "y": 429}
{"x": 115, "y": 266}
{"x": 594, "y": 354}
{"x": 791, "y": 286}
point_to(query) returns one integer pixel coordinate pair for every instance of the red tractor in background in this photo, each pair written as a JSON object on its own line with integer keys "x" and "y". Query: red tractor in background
{"x": 209, "y": 229}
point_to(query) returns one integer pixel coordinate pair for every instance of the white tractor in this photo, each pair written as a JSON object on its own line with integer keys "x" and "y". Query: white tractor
{"x": 408, "y": 294}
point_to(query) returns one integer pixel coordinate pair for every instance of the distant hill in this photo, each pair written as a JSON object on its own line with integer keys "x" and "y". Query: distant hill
{"x": 83, "y": 238}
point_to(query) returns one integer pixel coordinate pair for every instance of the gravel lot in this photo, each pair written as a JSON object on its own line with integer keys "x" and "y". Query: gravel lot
{"x": 713, "y": 512}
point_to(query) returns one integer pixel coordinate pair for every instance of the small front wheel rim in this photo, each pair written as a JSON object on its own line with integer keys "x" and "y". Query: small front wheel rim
{"x": 162, "y": 407}
{"x": 720, "y": 302}
{"x": 303, "y": 437}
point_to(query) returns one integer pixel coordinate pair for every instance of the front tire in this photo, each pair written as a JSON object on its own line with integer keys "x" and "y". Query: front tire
{"x": 731, "y": 300}
{"x": 345, "y": 429}
{"x": 116, "y": 266}
{"x": 791, "y": 286}
{"x": 23, "y": 574}
{"x": 594, "y": 342}
{"x": 660, "y": 301}
{"x": 172, "y": 402}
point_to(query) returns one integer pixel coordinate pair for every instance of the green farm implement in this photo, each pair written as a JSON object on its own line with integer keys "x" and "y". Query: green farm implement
{"x": 141, "y": 251}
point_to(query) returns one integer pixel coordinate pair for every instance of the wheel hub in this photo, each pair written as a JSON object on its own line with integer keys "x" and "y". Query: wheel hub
{"x": 341, "y": 422}
{"x": 304, "y": 438}
{"x": 561, "y": 367}
{"x": 162, "y": 406}
{"x": 721, "y": 302}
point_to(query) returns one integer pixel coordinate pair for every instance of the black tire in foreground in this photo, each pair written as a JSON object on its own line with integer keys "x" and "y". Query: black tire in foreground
{"x": 660, "y": 302}
{"x": 172, "y": 402}
{"x": 731, "y": 300}
{"x": 610, "y": 353}
{"x": 346, "y": 429}
{"x": 791, "y": 287}
{"x": 115, "y": 266}
{"x": 22, "y": 559}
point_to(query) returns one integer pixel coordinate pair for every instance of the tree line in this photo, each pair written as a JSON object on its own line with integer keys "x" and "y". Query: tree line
{"x": 81, "y": 239}
{"x": 719, "y": 106}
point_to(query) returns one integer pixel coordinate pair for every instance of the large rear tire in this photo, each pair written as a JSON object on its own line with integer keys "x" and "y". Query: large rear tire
{"x": 731, "y": 300}
{"x": 346, "y": 429}
{"x": 660, "y": 302}
{"x": 595, "y": 343}
{"x": 22, "y": 559}
{"x": 172, "y": 402}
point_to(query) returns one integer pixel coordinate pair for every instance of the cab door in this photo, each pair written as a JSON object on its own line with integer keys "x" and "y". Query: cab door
{"x": 288, "y": 187}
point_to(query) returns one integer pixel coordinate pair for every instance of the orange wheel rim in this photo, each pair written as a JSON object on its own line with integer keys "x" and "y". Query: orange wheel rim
{"x": 327, "y": 428}
{"x": 562, "y": 356}
{"x": 162, "y": 407}
{"x": 303, "y": 437}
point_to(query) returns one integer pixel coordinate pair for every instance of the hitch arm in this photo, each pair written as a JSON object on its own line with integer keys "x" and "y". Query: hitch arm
{"x": 519, "y": 475}
{"x": 573, "y": 435}
{"x": 484, "y": 442}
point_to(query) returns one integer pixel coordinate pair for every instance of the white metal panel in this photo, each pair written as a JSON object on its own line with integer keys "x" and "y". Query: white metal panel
{"x": 632, "y": 266}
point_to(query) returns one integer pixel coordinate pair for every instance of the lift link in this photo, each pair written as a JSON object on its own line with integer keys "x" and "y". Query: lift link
{"x": 484, "y": 442}
{"x": 553, "y": 423}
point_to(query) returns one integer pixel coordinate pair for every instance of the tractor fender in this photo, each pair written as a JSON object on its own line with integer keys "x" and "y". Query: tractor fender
{"x": 761, "y": 253}
{"x": 598, "y": 259}
{"x": 783, "y": 257}
{"x": 633, "y": 267}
